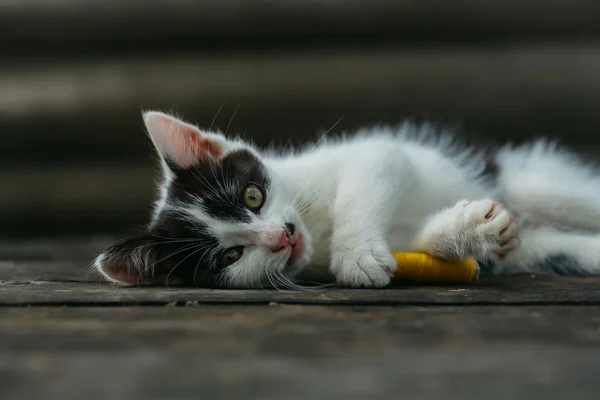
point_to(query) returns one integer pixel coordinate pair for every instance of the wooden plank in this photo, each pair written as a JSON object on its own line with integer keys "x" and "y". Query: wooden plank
{"x": 20, "y": 288}
{"x": 57, "y": 25}
{"x": 201, "y": 326}
{"x": 51, "y": 277}
{"x": 298, "y": 352}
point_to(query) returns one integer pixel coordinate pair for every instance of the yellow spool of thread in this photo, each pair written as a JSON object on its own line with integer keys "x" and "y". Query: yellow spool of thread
{"x": 422, "y": 267}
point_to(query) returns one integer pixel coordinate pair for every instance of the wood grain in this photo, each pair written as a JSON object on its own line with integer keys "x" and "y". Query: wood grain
{"x": 514, "y": 337}
{"x": 511, "y": 290}
{"x": 73, "y": 78}
{"x": 297, "y": 352}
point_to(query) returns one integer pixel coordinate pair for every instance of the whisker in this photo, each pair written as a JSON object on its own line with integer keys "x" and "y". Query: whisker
{"x": 149, "y": 244}
{"x": 328, "y": 130}
{"x": 304, "y": 200}
{"x": 202, "y": 178}
{"x": 231, "y": 119}
{"x": 196, "y": 270}
{"x": 216, "y": 115}
{"x": 289, "y": 284}
{"x": 215, "y": 192}
{"x": 225, "y": 198}
{"x": 166, "y": 237}
{"x": 91, "y": 271}
{"x": 182, "y": 260}
{"x": 189, "y": 247}
{"x": 210, "y": 187}
{"x": 270, "y": 278}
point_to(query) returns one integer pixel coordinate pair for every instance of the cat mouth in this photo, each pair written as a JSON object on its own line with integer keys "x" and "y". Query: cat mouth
{"x": 298, "y": 248}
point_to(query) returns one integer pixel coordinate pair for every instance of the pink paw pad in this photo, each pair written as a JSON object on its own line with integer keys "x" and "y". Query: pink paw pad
{"x": 495, "y": 204}
{"x": 495, "y": 227}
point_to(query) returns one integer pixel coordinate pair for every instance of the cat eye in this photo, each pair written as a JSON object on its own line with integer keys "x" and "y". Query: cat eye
{"x": 253, "y": 197}
{"x": 230, "y": 256}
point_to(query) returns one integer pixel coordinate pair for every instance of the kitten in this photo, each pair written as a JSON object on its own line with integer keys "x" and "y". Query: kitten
{"x": 231, "y": 216}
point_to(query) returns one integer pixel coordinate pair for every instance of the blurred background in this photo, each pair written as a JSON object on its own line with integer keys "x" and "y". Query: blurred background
{"x": 74, "y": 75}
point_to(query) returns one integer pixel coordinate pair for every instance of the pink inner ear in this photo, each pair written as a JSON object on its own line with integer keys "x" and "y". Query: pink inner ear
{"x": 124, "y": 277}
{"x": 178, "y": 141}
{"x": 120, "y": 272}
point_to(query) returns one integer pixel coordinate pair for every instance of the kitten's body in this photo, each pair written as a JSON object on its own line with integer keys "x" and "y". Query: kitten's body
{"x": 350, "y": 201}
{"x": 374, "y": 167}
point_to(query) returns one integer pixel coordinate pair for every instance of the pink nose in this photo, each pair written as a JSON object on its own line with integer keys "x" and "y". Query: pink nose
{"x": 279, "y": 241}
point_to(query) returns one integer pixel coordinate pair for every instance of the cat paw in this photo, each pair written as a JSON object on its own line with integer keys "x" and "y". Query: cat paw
{"x": 363, "y": 266}
{"x": 489, "y": 229}
{"x": 482, "y": 229}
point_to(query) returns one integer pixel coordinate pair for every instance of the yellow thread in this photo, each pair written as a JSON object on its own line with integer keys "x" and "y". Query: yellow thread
{"x": 425, "y": 268}
{"x": 422, "y": 267}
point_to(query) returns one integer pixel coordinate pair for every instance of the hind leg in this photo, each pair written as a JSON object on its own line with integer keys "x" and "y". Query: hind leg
{"x": 546, "y": 250}
{"x": 548, "y": 186}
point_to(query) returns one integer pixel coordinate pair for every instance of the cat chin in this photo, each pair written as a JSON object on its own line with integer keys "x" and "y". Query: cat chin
{"x": 295, "y": 268}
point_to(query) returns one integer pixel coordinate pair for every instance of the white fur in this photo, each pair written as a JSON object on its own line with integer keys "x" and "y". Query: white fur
{"x": 356, "y": 199}
{"x": 482, "y": 229}
{"x": 395, "y": 190}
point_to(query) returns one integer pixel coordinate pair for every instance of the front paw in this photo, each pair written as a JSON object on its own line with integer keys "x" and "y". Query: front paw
{"x": 363, "y": 266}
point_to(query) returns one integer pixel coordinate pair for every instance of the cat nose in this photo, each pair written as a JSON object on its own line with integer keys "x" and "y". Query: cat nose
{"x": 280, "y": 242}
{"x": 290, "y": 228}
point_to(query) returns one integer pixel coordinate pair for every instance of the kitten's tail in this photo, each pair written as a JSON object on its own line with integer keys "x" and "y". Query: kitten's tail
{"x": 548, "y": 186}
{"x": 555, "y": 196}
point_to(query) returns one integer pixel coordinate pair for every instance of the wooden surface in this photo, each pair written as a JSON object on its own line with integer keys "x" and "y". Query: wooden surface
{"x": 298, "y": 352}
{"x": 73, "y": 78}
{"x": 64, "y": 335}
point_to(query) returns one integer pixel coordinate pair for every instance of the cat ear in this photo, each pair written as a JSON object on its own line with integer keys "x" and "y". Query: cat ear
{"x": 128, "y": 261}
{"x": 180, "y": 143}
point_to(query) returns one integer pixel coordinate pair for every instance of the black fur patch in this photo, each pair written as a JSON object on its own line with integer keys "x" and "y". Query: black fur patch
{"x": 174, "y": 253}
{"x": 189, "y": 255}
{"x": 491, "y": 169}
{"x": 220, "y": 185}
{"x": 560, "y": 264}
{"x": 180, "y": 252}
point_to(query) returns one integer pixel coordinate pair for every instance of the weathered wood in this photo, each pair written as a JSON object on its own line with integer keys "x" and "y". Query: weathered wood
{"x": 24, "y": 289}
{"x": 56, "y": 272}
{"x": 140, "y": 25}
{"x": 512, "y": 341}
{"x": 338, "y": 330}
{"x": 48, "y": 277}
{"x": 298, "y": 352}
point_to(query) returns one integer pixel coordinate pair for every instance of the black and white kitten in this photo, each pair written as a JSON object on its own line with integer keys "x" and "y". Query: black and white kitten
{"x": 232, "y": 216}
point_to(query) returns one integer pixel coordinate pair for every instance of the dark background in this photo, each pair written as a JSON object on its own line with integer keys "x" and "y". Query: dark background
{"x": 74, "y": 75}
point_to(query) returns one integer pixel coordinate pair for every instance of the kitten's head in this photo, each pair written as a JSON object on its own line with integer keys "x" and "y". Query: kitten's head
{"x": 224, "y": 218}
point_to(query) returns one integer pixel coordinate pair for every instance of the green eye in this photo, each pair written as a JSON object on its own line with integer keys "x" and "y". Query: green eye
{"x": 253, "y": 197}
{"x": 230, "y": 256}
